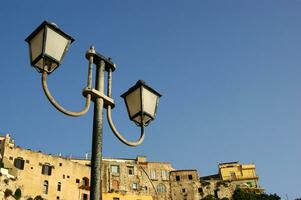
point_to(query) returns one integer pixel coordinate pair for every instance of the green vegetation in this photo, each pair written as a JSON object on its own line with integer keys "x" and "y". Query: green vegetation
{"x": 239, "y": 194}
{"x": 209, "y": 197}
{"x": 1, "y": 164}
{"x": 204, "y": 183}
{"x": 38, "y": 198}
{"x": 18, "y": 194}
{"x": 222, "y": 183}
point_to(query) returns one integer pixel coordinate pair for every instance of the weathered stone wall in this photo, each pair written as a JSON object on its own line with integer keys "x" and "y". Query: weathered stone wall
{"x": 69, "y": 175}
{"x": 134, "y": 177}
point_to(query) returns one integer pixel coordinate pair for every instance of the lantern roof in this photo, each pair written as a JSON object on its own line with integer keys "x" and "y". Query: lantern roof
{"x": 138, "y": 84}
{"x": 52, "y": 26}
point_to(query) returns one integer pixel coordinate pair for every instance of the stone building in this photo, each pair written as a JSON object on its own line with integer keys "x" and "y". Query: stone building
{"x": 55, "y": 177}
{"x": 136, "y": 176}
{"x": 184, "y": 184}
{"x": 52, "y": 177}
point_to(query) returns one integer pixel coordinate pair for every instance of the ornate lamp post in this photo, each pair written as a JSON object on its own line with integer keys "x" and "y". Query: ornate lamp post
{"x": 47, "y": 46}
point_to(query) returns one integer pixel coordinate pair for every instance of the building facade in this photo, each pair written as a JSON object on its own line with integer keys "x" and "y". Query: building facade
{"x": 55, "y": 177}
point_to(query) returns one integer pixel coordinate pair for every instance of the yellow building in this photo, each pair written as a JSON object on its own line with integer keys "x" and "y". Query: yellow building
{"x": 244, "y": 175}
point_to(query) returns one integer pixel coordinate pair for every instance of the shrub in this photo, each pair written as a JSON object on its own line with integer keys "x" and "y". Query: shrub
{"x": 239, "y": 194}
{"x": 38, "y": 198}
{"x": 18, "y": 193}
{"x": 204, "y": 183}
{"x": 209, "y": 197}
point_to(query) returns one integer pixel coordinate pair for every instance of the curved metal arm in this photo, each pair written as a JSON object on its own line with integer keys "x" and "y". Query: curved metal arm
{"x": 59, "y": 107}
{"x": 119, "y": 136}
{"x": 109, "y": 117}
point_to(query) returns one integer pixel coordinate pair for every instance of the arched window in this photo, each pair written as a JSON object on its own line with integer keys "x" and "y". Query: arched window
{"x": 161, "y": 188}
{"x": 45, "y": 187}
{"x": 19, "y": 163}
{"x": 59, "y": 186}
{"x": 85, "y": 181}
{"x": 46, "y": 169}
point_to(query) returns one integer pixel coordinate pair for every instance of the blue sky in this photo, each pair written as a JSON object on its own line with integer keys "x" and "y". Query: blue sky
{"x": 229, "y": 72}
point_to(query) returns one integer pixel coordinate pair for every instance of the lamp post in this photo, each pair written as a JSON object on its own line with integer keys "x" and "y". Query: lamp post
{"x": 47, "y": 46}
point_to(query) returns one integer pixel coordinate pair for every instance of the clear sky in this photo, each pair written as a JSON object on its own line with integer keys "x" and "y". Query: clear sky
{"x": 229, "y": 72}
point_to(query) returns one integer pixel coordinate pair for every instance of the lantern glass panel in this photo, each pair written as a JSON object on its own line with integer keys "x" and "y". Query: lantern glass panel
{"x": 40, "y": 64}
{"x": 149, "y": 102}
{"x": 133, "y": 101}
{"x": 56, "y": 45}
{"x": 36, "y": 45}
{"x": 146, "y": 119}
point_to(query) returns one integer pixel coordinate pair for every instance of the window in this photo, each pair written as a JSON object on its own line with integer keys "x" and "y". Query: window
{"x": 115, "y": 185}
{"x": 84, "y": 197}
{"x": 135, "y": 186}
{"x": 161, "y": 188}
{"x": 115, "y": 169}
{"x": 115, "y": 198}
{"x": 130, "y": 170}
{"x": 232, "y": 175}
{"x": 250, "y": 184}
{"x": 216, "y": 193}
{"x": 153, "y": 174}
{"x": 57, "y": 197}
{"x": 85, "y": 181}
{"x": 177, "y": 178}
{"x": 19, "y": 163}
{"x": 60, "y": 164}
{"x": 11, "y": 158}
{"x": 183, "y": 190}
{"x": 77, "y": 180}
{"x": 59, "y": 186}
{"x": 164, "y": 175}
{"x": 46, "y": 169}
{"x": 200, "y": 190}
{"x": 45, "y": 187}
{"x": 190, "y": 177}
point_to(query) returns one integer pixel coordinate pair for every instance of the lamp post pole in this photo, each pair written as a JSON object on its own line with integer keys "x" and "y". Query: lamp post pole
{"x": 96, "y": 186}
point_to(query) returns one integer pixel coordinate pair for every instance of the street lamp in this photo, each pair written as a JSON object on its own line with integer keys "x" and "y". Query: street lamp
{"x": 47, "y": 47}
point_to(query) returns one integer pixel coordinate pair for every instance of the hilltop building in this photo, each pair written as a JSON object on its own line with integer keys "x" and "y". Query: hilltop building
{"x": 55, "y": 177}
